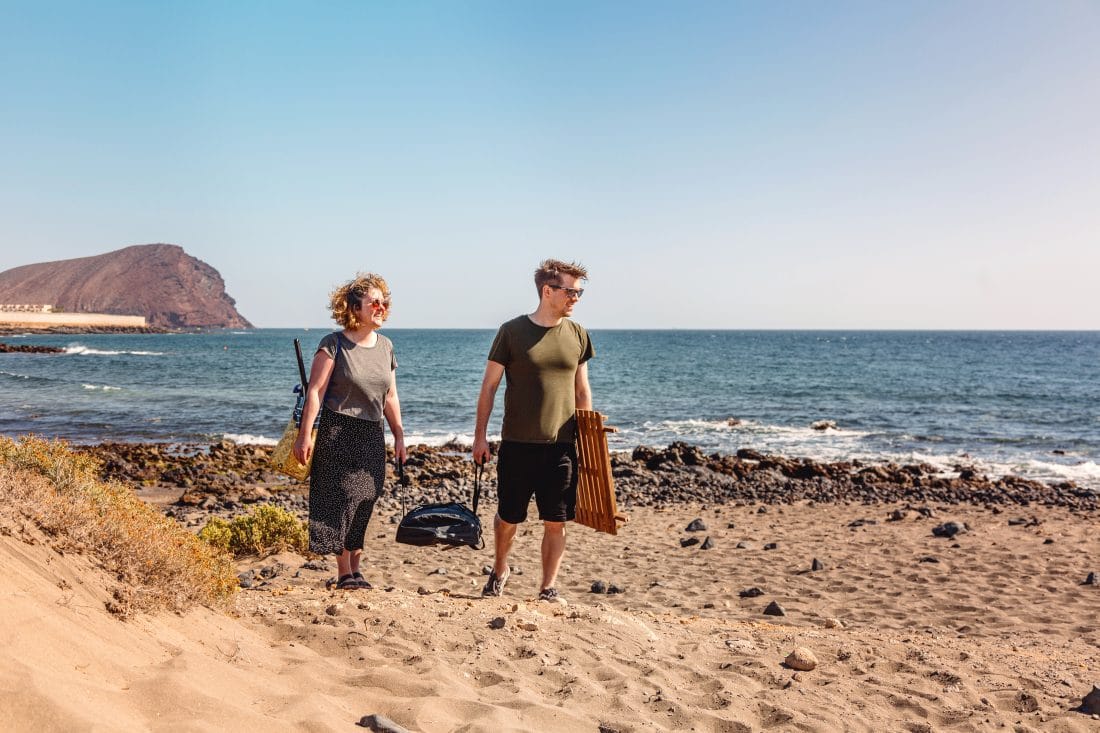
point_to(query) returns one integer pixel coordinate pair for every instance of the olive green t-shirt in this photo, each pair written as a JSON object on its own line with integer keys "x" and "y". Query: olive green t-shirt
{"x": 540, "y": 369}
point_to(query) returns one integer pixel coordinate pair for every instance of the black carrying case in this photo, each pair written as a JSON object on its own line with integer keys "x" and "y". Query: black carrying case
{"x": 449, "y": 523}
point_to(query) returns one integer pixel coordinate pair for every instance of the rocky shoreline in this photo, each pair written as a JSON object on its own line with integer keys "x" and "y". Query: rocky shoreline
{"x": 194, "y": 481}
{"x": 38, "y": 330}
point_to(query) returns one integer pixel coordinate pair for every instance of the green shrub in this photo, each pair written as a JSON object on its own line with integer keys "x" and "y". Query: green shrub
{"x": 267, "y": 529}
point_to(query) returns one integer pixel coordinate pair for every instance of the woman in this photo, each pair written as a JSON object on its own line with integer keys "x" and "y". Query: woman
{"x": 353, "y": 385}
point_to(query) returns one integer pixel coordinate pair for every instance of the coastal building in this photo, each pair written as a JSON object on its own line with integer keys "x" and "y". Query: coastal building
{"x": 24, "y": 308}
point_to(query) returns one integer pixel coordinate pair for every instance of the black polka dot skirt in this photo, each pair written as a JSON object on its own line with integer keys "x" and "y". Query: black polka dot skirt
{"x": 349, "y": 464}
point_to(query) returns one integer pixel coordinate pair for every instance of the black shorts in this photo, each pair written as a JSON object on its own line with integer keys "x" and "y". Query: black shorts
{"x": 547, "y": 470}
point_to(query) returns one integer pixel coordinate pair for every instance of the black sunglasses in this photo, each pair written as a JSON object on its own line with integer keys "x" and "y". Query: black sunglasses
{"x": 571, "y": 292}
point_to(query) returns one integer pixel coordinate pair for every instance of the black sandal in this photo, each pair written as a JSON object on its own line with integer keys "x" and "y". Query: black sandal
{"x": 347, "y": 582}
{"x": 363, "y": 582}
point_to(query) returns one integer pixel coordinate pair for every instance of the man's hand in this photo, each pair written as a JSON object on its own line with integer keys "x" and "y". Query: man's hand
{"x": 482, "y": 454}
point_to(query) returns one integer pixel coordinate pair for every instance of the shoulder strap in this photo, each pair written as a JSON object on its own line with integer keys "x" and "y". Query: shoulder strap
{"x": 478, "y": 469}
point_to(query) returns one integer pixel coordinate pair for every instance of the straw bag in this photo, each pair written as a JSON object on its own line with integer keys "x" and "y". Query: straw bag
{"x": 282, "y": 456}
{"x": 448, "y": 523}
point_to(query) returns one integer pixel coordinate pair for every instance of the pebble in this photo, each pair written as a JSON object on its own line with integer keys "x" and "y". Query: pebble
{"x": 949, "y": 529}
{"x": 751, "y": 592}
{"x": 527, "y": 625}
{"x": 614, "y": 589}
{"x": 381, "y": 724}
{"x": 708, "y": 544}
{"x": 335, "y": 609}
{"x": 929, "y": 558}
{"x": 742, "y": 545}
{"x": 1048, "y": 541}
{"x": 598, "y": 586}
{"x": 898, "y": 515}
{"x": 817, "y": 565}
{"x": 771, "y": 545}
{"x": 801, "y": 659}
{"x": 1026, "y": 703}
{"x": 438, "y": 571}
{"x": 833, "y": 623}
{"x": 423, "y": 591}
{"x": 689, "y": 541}
{"x": 497, "y": 623}
{"x": 1091, "y": 579}
{"x": 774, "y": 609}
{"x": 696, "y": 525}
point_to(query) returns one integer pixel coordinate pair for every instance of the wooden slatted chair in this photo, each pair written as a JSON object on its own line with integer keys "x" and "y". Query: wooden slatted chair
{"x": 595, "y": 485}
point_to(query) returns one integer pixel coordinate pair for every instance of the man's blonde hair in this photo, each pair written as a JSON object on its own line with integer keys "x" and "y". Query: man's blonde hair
{"x": 549, "y": 272}
{"x": 344, "y": 299}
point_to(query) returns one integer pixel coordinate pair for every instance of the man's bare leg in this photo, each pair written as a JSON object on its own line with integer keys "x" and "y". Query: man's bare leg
{"x": 504, "y": 533}
{"x": 553, "y": 548}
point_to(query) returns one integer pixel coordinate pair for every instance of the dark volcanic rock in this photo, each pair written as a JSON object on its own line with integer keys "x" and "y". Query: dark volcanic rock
{"x": 774, "y": 609}
{"x": 159, "y": 281}
{"x": 751, "y": 592}
{"x": 696, "y": 525}
{"x": 708, "y": 544}
{"x": 949, "y": 529}
{"x": 598, "y": 586}
{"x": 689, "y": 541}
{"x": 28, "y": 349}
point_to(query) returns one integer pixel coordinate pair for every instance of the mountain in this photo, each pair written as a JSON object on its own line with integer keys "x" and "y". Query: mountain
{"x": 169, "y": 287}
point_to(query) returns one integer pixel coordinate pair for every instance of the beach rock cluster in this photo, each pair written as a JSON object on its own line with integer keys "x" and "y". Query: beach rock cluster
{"x": 223, "y": 476}
{"x": 28, "y": 349}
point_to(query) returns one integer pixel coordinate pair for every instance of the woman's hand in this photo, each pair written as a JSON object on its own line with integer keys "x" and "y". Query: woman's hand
{"x": 303, "y": 447}
{"x": 399, "y": 449}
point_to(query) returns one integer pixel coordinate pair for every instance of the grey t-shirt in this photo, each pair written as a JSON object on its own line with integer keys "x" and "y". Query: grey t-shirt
{"x": 361, "y": 378}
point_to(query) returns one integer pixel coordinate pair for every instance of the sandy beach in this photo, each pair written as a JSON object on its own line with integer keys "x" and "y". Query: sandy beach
{"x": 991, "y": 629}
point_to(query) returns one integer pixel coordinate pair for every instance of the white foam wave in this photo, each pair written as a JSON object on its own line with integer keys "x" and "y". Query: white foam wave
{"x": 241, "y": 333}
{"x": 103, "y": 387}
{"x": 246, "y": 439}
{"x": 437, "y": 439}
{"x": 13, "y": 374}
{"x": 86, "y": 351}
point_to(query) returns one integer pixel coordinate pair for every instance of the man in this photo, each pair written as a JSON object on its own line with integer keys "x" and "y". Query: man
{"x": 545, "y": 357}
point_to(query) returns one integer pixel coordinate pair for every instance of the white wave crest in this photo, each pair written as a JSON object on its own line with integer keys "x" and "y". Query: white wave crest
{"x": 438, "y": 439}
{"x": 103, "y": 387}
{"x": 86, "y": 351}
{"x": 246, "y": 439}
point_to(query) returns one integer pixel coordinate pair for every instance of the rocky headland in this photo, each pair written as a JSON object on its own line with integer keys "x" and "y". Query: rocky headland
{"x": 161, "y": 282}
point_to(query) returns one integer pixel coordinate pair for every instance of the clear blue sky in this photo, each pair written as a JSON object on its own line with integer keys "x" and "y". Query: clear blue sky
{"x": 715, "y": 165}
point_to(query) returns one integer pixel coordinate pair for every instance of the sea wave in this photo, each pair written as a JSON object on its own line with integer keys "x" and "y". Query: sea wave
{"x": 103, "y": 387}
{"x": 86, "y": 351}
{"x": 246, "y": 439}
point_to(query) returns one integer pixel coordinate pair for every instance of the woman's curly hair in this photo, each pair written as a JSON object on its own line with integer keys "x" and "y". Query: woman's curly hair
{"x": 345, "y": 299}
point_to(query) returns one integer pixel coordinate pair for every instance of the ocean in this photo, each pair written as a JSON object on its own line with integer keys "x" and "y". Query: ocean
{"x": 1025, "y": 403}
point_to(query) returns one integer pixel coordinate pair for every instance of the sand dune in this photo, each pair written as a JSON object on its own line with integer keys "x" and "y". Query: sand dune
{"x": 990, "y": 630}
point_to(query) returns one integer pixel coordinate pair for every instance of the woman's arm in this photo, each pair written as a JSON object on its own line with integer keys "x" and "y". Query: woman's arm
{"x": 319, "y": 374}
{"x": 392, "y": 410}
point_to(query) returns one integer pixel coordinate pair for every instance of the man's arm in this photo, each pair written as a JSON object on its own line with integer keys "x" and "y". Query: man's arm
{"x": 489, "y": 383}
{"x": 581, "y": 389}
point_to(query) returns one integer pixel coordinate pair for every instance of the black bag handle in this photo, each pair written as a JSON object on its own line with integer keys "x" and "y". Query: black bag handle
{"x": 479, "y": 469}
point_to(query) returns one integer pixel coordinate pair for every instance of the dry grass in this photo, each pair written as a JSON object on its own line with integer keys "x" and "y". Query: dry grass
{"x": 267, "y": 529}
{"x": 158, "y": 563}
